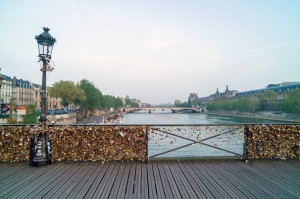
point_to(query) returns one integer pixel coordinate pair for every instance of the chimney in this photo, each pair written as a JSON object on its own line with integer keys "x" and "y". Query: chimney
{"x": 14, "y": 82}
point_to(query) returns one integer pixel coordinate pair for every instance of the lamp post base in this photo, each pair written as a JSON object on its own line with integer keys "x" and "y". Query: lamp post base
{"x": 37, "y": 162}
{"x": 40, "y": 152}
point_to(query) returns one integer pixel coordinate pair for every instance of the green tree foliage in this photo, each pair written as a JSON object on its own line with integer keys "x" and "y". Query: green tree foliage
{"x": 182, "y": 104}
{"x": 31, "y": 115}
{"x": 264, "y": 102}
{"x": 267, "y": 101}
{"x": 109, "y": 101}
{"x": 68, "y": 92}
{"x": 291, "y": 103}
{"x": 238, "y": 104}
{"x": 93, "y": 95}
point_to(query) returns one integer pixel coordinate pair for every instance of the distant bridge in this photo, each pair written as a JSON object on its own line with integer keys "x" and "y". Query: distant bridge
{"x": 173, "y": 109}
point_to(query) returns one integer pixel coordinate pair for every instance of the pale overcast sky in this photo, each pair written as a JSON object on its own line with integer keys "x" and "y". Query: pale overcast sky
{"x": 158, "y": 50}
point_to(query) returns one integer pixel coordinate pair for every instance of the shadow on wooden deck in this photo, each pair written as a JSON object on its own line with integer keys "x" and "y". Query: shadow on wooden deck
{"x": 165, "y": 179}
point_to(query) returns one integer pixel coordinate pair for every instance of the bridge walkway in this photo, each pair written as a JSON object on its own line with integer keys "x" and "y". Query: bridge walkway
{"x": 157, "y": 179}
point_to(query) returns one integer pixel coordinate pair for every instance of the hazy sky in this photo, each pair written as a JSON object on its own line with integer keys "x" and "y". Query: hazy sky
{"x": 158, "y": 50}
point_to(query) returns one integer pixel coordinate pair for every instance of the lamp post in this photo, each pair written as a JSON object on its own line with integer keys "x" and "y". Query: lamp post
{"x": 1, "y": 82}
{"x": 40, "y": 150}
{"x": 45, "y": 44}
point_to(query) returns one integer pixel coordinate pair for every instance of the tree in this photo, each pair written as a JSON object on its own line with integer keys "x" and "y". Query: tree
{"x": 31, "y": 115}
{"x": 109, "y": 101}
{"x": 93, "y": 95}
{"x": 267, "y": 100}
{"x": 291, "y": 103}
{"x": 68, "y": 92}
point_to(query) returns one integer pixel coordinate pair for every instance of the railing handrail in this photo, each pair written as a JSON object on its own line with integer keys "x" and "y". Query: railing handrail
{"x": 233, "y": 124}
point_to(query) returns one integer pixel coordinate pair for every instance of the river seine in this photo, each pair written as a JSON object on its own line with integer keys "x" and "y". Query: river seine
{"x": 206, "y": 140}
{"x": 167, "y": 117}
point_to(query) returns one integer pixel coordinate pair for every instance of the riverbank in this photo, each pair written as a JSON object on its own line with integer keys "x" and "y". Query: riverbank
{"x": 103, "y": 119}
{"x": 275, "y": 116}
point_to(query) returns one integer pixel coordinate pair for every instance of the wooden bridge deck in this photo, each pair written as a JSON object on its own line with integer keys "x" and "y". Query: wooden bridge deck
{"x": 163, "y": 179}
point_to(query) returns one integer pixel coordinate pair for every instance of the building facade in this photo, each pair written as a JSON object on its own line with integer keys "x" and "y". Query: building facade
{"x": 227, "y": 94}
{"x": 24, "y": 93}
{"x": 5, "y": 89}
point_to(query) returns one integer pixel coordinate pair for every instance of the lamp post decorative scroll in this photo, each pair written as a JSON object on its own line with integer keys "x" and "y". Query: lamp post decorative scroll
{"x": 40, "y": 150}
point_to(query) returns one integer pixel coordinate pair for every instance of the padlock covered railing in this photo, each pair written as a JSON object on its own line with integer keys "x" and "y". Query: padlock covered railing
{"x": 106, "y": 143}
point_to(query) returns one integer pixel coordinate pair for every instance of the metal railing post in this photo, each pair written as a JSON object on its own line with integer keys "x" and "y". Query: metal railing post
{"x": 147, "y": 141}
{"x": 245, "y": 151}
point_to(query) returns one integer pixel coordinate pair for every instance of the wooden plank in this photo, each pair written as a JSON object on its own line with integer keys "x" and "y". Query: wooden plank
{"x": 177, "y": 180}
{"x": 65, "y": 189}
{"x": 151, "y": 181}
{"x": 218, "y": 180}
{"x": 240, "y": 171}
{"x": 33, "y": 185}
{"x": 268, "y": 184}
{"x": 86, "y": 187}
{"x": 199, "y": 181}
{"x": 210, "y": 183}
{"x": 285, "y": 187}
{"x": 278, "y": 174}
{"x": 158, "y": 182}
{"x": 18, "y": 182}
{"x": 14, "y": 178}
{"x": 56, "y": 182}
{"x": 144, "y": 182}
{"x": 289, "y": 164}
{"x": 130, "y": 182}
{"x": 81, "y": 180}
{"x": 8, "y": 171}
{"x": 118, "y": 180}
{"x": 185, "y": 181}
{"x": 242, "y": 174}
{"x": 104, "y": 181}
{"x": 97, "y": 181}
{"x": 236, "y": 181}
{"x": 48, "y": 181}
{"x": 110, "y": 183}
{"x": 239, "y": 191}
{"x": 200, "y": 190}
{"x": 58, "y": 187}
{"x": 138, "y": 181}
{"x": 279, "y": 166}
{"x": 165, "y": 183}
{"x": 169, "y": 179}
{"x": 125, "y": 177}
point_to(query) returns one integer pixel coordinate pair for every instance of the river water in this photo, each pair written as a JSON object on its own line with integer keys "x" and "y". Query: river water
{"x": 206, "y": 140}
{"x": 167, "y": 117}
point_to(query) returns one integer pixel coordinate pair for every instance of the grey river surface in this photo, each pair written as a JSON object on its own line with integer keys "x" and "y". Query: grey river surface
{"x": 206, "y": 140}
{"x": 167, "y": 117}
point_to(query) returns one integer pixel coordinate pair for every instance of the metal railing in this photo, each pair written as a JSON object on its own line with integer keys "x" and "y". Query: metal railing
{"x": 149, "y": 142}
{"x": 195, "y": 141}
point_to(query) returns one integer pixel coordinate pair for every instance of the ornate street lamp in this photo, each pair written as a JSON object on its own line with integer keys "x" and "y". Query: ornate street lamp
{"x": 40, "y": 152}
{"x": 45, "y": 44}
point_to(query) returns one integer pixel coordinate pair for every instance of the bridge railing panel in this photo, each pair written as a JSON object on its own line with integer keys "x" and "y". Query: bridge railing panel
{"x": 143, "y": 142}
{"x": 196, "y": 141}
{"x": 273, "y": 141}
